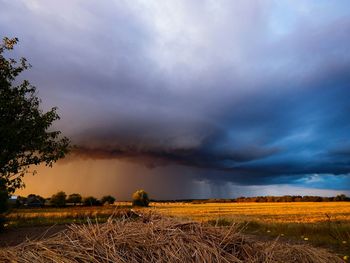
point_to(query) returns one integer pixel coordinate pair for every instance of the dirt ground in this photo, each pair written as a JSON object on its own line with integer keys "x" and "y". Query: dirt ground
{"x": 15, "y": 236}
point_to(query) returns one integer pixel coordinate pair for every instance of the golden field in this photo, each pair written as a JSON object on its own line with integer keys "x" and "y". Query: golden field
{"x": 325, "y": 224}
{"x": 303, "y": 212}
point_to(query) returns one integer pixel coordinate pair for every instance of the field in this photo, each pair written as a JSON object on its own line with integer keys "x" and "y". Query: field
{"x": 303, "y": 212}
{"x": 324, "y": 224}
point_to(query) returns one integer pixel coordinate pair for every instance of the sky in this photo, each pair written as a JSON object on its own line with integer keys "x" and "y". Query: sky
{"x": 191, "y": 99}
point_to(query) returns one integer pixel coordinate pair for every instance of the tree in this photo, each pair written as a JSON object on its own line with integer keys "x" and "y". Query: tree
{"x": 140, "y": 198}
{"x": 58, "y": 199}
{"x": 26, "y": 135}
{"x": 108, "y": 199}
{"x": 341, "y": 197}
{"x": 74, "y": 199}
{"x": 34, "y": 200}
{"x": 91, "y": 201}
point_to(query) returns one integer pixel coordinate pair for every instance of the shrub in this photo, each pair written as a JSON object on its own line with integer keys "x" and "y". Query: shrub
{"x": 140, "y": 198}
{"x": 108, "y": 199}
{"x": 58, "y": 199}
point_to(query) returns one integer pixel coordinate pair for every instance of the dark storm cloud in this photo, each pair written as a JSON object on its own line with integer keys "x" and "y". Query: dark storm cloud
{"x": 201, "y": 158}
{"x": 253, "y": 93}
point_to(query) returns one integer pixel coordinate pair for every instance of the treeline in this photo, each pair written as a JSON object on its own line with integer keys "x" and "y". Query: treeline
{"x": 292, "y": 198}
{"x": 140, "y": 198}
{"x": 60, "y": 199}
{"x": 264, "y": 199}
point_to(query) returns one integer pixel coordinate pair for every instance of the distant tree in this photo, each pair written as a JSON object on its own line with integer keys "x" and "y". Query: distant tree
{"x": 318, "y": 199}
{"x": 297, "y": 198}
{"x": 140, "y": 198}
{"x": 261, "y": 199}
{"x": 108, "y": 199}
{"x": 58, "y": 199}
{"x": 26, "y": 134}
{"x": 33, "y": 200}
{"x": 74, "y": 199}
{"x": 341, "y": 197}
{"x": 91, "y": 201}
{"x": 42, "y": 199}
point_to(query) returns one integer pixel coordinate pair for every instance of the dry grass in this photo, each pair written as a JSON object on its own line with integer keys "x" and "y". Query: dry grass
{"x": 152, "y": 238}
